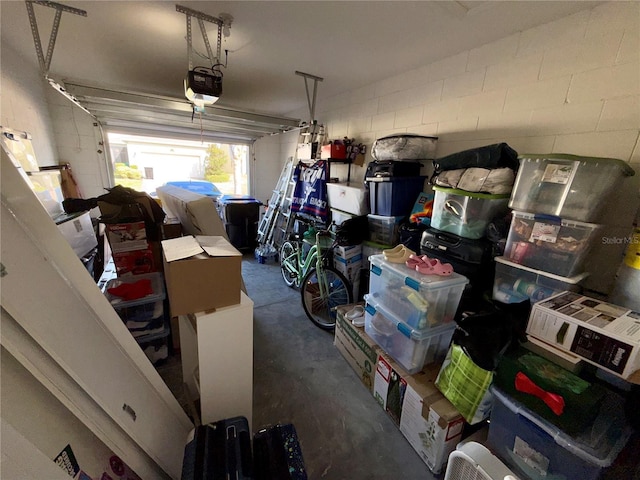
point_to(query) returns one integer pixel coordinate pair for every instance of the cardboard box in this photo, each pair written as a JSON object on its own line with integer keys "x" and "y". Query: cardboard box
{"x": 171, "y": 228}
{"x": 349, "y": 268}
{"x": 389, "y": 387}
{"x": 202, "y": 273}
{"x": 357, "y": 348}
{"x": 429, "y": 422}
{"x": 307, "y": 151}
{"x": 334, "y": 151}
{"x": 347, "y": 252}
{"x": 132, "y": 252}
{"x": 603, "y": 334}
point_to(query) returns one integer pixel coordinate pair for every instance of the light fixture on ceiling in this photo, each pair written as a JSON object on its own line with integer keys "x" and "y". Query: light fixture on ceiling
{"x": 203, "y": 85}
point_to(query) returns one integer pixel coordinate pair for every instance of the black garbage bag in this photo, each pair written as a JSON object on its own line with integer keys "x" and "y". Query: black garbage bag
{"x": 353, "y": 231}
{"x": 486, "y": 329}
{"x": 498, "y": 155}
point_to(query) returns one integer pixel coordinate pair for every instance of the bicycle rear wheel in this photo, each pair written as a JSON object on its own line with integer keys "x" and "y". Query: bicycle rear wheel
{"x": 321, "y": 308}
{"x": 289, "y": 264}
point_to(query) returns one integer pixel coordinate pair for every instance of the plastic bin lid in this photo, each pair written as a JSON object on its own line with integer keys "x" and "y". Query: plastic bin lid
{"x": 372, "y": 306}
{"x": 621, "y": 164}
{"x": 236, "y": 198}
{"x": 416, "y": 280}
{"x": 565, "y": 222}
{"x": 155, "y": 336}
{"x": 599, "y": 444}
{"x": 572, "y": 280}
{"x": 394, "y": 179}
{"x": 198, "y": 186}
{"x": 157, "y": 286}
{"x": 456, "y": 191}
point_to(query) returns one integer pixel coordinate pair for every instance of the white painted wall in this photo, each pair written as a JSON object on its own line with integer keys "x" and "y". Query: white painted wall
{"x": 570, "y": 86}
{"x": 23, "y": 104}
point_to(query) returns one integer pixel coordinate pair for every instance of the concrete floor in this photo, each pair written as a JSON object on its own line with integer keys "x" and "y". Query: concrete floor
{"x": 301, "y": 378}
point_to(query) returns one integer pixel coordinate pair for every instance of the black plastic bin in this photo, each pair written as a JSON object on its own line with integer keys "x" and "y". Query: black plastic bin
{"x": 240, "y": 216}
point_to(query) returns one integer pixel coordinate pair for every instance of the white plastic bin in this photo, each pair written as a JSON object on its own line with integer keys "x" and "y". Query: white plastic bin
{"x": 411, "y": 348}
{"x": 515, "y": 283}
{"x": 567, "y": 186}
{"x": 422, "y": 301}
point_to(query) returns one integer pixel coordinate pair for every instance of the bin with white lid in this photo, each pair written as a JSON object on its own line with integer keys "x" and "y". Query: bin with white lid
{"x": 422, "y": 301}
{"x": 410, "y": 347}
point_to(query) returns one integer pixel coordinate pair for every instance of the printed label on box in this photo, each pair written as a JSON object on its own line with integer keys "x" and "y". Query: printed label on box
{"x": 545, "y": 232}
{"x": 531, "y": 457}
{"x": 557, "y": 173}
{"x": 127, "y": 237}
{"x": 432, "y": 442}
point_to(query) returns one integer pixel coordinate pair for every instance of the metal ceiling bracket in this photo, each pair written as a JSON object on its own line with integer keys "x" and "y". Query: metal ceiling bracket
{"x": 45, "y": 61}
{"x": 202, "y": 17}
{"x": 311, "y": 102}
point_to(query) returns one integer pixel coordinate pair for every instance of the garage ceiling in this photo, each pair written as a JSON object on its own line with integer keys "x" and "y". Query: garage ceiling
{"x": 140, "y": 46}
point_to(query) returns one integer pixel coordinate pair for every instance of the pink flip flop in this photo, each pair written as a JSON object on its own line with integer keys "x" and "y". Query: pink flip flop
{"x": 414, "y": 261}
{"x": 439, "y": 268}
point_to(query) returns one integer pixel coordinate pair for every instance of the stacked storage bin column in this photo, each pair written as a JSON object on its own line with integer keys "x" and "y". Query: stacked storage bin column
{"x": 472, "y": 188}
{"x": 556, "y": 198}
{"x": 139, "y": 301}
{"x": 394, "y": 182}
{"x": 410, "y": 315}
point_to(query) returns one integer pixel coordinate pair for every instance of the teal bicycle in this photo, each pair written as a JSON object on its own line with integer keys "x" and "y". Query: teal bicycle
{"x": 322, "y": 287}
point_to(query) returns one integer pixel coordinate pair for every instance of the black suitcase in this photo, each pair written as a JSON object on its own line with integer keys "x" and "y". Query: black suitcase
{"x": 471, "y": 258}
{"x": 277, "y": 454}
{"x": 392, "y": 168}
{"x": 219, "y": 451}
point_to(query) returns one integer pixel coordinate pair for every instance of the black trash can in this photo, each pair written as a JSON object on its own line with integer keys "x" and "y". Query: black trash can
{"x": 240, "y": 216}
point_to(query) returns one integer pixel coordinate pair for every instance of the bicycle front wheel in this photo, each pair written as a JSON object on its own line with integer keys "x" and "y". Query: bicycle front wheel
{"x": 289, "y": 264}
{"x": 320, "y": 301}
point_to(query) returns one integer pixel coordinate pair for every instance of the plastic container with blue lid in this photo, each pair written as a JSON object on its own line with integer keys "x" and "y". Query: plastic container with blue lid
{"x": 410, "y": 347}
{"x": 423, "y": 301}
{"x": 538, "y": 450}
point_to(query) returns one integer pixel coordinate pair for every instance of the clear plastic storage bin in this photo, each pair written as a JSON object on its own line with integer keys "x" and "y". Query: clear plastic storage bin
{"x": 567, "y": 186}
{"x": 550, "y": 244}
{"x": 537, "y": 450}
{"x": 466, "y": 213}
{"x": 515, "y": 283}
{"x": 384, "y": 230}
{"x": 392, "y": 196}
{"x": 411, "y": 348}
{"x": 155, "y": 345}
{"x": 138, "y": 312}
{"x": 421, "y": 301}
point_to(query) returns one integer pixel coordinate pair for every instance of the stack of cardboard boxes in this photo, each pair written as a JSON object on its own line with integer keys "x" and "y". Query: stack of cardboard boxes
{"x": 428, "y": 421}
{"x": 215, "y": 316}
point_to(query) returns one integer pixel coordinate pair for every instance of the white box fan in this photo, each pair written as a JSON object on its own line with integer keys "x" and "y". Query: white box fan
{"x": 473, "y": 461}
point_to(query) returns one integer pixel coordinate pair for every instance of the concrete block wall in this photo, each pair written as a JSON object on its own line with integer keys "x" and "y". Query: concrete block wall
{"x": 569, "y": 86}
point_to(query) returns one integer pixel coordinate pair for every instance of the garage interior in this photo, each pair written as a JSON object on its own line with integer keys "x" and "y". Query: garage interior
{"x": 543, "y": 77}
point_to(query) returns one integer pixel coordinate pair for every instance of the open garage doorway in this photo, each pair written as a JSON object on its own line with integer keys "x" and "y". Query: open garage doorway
{"x": 146, "y": 162}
